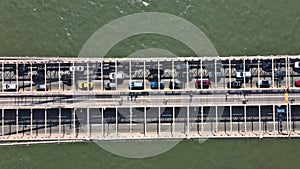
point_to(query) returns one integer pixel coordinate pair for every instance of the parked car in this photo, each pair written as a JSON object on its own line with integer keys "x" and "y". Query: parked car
{"x": 110, "y": 86}
{"x": 175, "y": 85}
{"x": 263, "y": 83}
{"x": 9, "y": 87}
{"x": 234, "y": 84}
{"x": 240, "y": 66}
{"x": 114, "y": 75}
{"x": 22, "y": 70}
{"x": 85, "y": 85}
{"x": 240, "y": 74}
{"x": 154, "y": 70}
{"x": 204, "y": 83}
{"x": 152, "y": 77}
{"x": 136, "y": 85}
{"x": 76, "y": 68}
{"x": 38, "y": 79}
{"x": 41, "y": 87}
{"x": 66, "y": 77}
{"x": 154, "y": 85}
{"x": 297, "y": 83}
{"x": 266, "y": 65}
{"x": 297, "y": 65}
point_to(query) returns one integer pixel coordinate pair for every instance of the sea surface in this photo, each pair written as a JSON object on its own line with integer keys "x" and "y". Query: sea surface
{"x": 235, "y": 27}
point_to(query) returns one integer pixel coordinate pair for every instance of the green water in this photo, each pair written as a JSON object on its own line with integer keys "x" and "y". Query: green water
{"x": 235, "y": 27}
{"x": 213, "y": 154}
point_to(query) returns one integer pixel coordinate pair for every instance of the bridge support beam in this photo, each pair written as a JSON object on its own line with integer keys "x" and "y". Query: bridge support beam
{"x": 31, "y": 119}
{"x": 59, "y": 75}
{"x": 3, "y": 122}
{"x": 202, "y": 120}
{"x": 274, "y": 125}
{"x": 245, "y": 118}
{"x": 59, "y": 122}
{"x": 45, "y": 120}
{"x": 230, "y": 118}
{"x": 216, "y": 130}
{"x": 173, "y": 121}
{"x": 2, "y": 73}
{"x": 117, "y": 121}
{"x": 31, "y": 76}
{"x": 17, "y": 121}
{"x": 74, "y": 122}
{"x": 187, "y": 120}
{"x": 102, "y": 122}
{"x": 259, "y": 119}
{"x": 145, "y": 121}
{"x": 88, "y": 122}
{"x": 159, "y": 121}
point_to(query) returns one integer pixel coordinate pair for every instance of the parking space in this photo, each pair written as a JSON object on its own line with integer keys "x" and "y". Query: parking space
{"x": 53, "y": 121}
{"x": 152, "y": 118}
{"x": 295, "y": 117}
{"x": 267, "y": 119}
{"x": 238, "y": 119}
{"x": 95, "y": 117}
{"x": 24, "y": 122}
{"x": 9, "y": 122}
{"x": 221, "y": 73}
{"x": 38, "y": 122}
{"x": 195, "y": 119}
{"x": 109, "y": 115}
{"x": 163, "y": 121}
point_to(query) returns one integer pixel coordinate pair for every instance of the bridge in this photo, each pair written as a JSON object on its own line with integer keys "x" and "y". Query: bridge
{"x": 47, "y": 98}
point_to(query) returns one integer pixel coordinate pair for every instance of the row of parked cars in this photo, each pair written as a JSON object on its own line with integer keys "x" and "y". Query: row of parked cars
{"x": 139, "y": 85}
{"x": 15, "y": 87}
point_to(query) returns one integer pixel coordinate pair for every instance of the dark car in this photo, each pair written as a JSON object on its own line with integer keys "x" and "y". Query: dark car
{"x": 202, "y": 83}
{"x": 154, "y": 85}
{"x": 66, "y": 77}
{"x": 240, "y": 66}
{"x": 175, "y": 85}
{"x": 39, "y": 79}
{"x": 155, "y": 71}
{"x": 22, "y": 71}
{"x": 297, "y": 83}
{"x": 266, "y": 66}
{"x": 234, "y": 84}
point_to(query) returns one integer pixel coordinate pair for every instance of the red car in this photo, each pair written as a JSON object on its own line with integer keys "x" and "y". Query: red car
{"x": 205, "y": 83}
{"x": 297, "y": 83}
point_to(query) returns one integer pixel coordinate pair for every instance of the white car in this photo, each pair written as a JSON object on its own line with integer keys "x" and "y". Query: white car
{"x": 76, "y": 68}
{"x": 297, "y": 65}
{"x": 263, "y": 83}
{"x": 114, "y": 75}
{"x": 110, "y": 86}
{"x": 41, "y": 87}
{"x": 10, "y": 87}
{"x": 241, "y": 74}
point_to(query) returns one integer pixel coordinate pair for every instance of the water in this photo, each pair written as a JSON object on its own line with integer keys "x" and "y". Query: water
{"x": 60, "y": 28}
